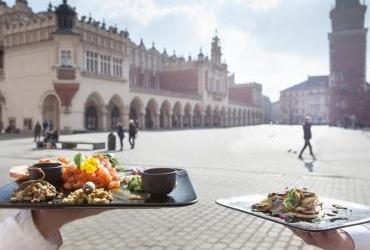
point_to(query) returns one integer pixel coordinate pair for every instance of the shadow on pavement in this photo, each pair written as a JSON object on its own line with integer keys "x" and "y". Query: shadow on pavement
{"x": 309, "y": 165}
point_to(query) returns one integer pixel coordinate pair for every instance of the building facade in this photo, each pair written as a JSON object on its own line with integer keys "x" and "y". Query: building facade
{"x": 309, "y": 98}
{"x": 275, "y": 112}
{"x": 349, "y": 92}
{"x": 82, "y": 75}
{"x": 267, "y": 110}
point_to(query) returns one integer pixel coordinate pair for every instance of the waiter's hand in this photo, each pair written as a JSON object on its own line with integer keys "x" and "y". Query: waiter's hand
{"x": 49, "y": 221}
{"x": 328, "y": 240}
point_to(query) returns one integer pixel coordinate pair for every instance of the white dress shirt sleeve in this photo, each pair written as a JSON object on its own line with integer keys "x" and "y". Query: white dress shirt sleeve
{"x": 20, "y": 233}
{"x": 360, "y": 235}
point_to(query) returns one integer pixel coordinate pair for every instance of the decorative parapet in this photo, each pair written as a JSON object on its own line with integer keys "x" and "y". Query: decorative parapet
{"x": 162, "y": 92}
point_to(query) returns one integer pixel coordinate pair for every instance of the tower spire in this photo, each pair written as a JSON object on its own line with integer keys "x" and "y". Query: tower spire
{"x": 216, "y": 49}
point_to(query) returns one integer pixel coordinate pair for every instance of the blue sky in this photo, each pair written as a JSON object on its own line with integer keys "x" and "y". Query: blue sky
{"x": 274, "y": 42}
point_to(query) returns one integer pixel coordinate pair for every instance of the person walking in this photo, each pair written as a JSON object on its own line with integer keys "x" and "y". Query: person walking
{"x": 121, "y": 134}
{"x": 132, "y": 132}
{"x": 307, "y": 136}
{"x": 37, "y": 132}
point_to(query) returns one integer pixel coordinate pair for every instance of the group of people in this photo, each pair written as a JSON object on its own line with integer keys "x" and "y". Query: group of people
{"x": 132, "y": 133}
{"x": 47, "y": 131}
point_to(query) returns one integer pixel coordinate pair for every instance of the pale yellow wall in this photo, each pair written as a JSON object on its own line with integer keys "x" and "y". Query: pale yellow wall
{"x": 27, "y": 77}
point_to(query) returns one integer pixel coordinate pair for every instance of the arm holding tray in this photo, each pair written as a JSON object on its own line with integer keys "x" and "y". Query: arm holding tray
{"x": 360, "y": 235}
{"x": 350, "y": 238}
{"x": 33, "y": 229}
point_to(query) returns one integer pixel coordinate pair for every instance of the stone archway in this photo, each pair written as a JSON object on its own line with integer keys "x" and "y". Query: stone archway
{"x": 197, "y": 116}
{"x": 91, "y": 118}
{"x": 137, "y": 112}
{"x": 95, "y": 112}
{"x": 240, "y": 116}
{"x": 51, "y": 111}
{"x": 187, "y": 120}
{"x": 235, "y": 117}
{"x": 2, "y": 102}
{"x": 165, "y": 115}
{"x": 115, "y": 112}
{"x": 1, "y": 118}
{"x": 177, "y": 115}
{"x": 223, "y": 117}
{"x": 216, "y": 117}
{"x": 230, "y": 117}
{"x": 245, "y": 117}
{"x": 208, "y": 118}
{"x": 151, "y": 115}
{"x": 253, "y": 118}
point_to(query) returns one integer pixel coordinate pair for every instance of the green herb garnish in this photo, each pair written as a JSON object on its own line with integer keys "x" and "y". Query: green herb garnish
{"x": 78, "y": 159}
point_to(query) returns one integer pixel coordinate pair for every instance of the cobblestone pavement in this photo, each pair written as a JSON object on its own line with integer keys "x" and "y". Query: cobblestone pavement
{"x": 221, "y": 163}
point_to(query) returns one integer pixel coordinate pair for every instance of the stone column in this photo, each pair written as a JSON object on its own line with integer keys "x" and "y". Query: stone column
{"x": 191, "y": 121}
{"x": 104, "y": 122}
{"x": 170, "y": 120}
{"x": 202, "y": 120}
{"x": 141, "y": 121}
{"x": 181, "y": 121}
{"x": 156, "y": 121}
{"x": 125, "y": 116}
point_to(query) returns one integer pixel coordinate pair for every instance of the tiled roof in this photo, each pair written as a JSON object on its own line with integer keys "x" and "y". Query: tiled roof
{"x": 311, "y": 82}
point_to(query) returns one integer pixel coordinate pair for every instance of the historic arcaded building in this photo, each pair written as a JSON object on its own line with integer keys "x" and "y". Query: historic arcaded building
{"x": 348, "y": 91}
{"x": 309, "y": 98}
{"x": 81, "y": 74}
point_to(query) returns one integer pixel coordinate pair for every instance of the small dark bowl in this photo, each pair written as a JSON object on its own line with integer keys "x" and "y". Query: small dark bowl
{"x": 52, "y": 172}
{"x": 159, "y": 181}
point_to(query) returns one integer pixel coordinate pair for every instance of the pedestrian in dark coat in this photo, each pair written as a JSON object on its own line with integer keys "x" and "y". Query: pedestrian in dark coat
{"x": 307, "y": 136}
{"x": 132, "y": 132}
{"x": 121, "y": 134}
{"x": 37, "y": 132}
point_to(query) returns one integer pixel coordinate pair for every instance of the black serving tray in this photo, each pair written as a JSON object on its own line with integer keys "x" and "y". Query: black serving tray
{"x": 182, "y": 195}
{"x": 354, "y": 215}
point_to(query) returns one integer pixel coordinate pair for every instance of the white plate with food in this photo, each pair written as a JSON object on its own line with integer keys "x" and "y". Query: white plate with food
{"x": 301, "y": 209}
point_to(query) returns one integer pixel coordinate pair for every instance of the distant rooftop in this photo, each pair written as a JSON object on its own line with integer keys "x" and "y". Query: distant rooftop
{"x": 311, "y": 82}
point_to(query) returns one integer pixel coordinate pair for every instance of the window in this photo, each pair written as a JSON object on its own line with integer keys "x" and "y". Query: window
{"x": 105, "y": 65}
{"x": 27, "y": 124}
{"x": 12, "y": 123}
{"x": 66, "y": 58}
{"x": 117, "y": 67}
{"x": 92, "y": 62}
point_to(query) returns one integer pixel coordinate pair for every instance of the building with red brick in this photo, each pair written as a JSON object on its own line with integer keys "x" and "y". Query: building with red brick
{"x": 349, "y": 93}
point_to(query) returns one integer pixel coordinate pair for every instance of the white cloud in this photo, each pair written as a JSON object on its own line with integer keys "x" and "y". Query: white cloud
{"x": 261, "y": 4}
{"x": 245, "y": 56}
{"x": 254, "y": 5}
{"x": 142, "y": 12}
{"x": 274, "y": 69}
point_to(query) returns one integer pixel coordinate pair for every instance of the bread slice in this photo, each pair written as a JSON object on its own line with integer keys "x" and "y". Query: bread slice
{"x": 19, "y": 173}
